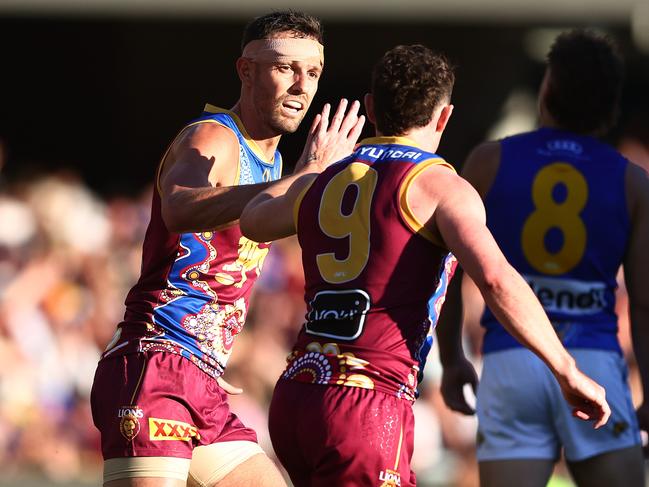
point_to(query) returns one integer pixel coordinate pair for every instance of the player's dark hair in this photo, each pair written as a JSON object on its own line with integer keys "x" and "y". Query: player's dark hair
{"x": 300, "y": 24}
{"x": 408, "y": 83}
{"x": 585, "y": 82}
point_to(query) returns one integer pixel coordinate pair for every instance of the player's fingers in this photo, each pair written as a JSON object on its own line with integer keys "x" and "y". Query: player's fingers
{"x": 590, "y": 411}
{"x": 474, "y": 385}
{"x": 356, "y": 130}
{"x": 351, "y": 118}
{"x": 227, "y": 387}
{"x": 337, "y": 119}
{"x": 463, "y": 407}
{"x": 314, "y": 124}
{"x": 605, "y": 414}
{"x": 581, "y": 414}
{"x": 324, "y": 119}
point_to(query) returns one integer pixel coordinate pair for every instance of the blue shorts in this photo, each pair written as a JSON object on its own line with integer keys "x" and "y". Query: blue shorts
{"x": 522, "y": 413}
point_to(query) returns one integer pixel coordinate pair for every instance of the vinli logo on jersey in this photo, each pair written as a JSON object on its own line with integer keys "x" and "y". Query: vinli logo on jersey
{"x": 569, "y": 296}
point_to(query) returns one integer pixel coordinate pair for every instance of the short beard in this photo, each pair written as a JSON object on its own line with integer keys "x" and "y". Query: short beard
{"x": 283, "y": 125}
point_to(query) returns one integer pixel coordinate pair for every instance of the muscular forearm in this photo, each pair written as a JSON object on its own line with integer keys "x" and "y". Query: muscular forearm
{"x": 514, "y": 304}
{"x": 207, "y": 208}
{"x": 203, "y": 209}
{"x": 269, "y": 215}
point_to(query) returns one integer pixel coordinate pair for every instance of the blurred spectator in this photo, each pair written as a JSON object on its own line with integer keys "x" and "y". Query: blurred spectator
{"x": 66, "y": 261}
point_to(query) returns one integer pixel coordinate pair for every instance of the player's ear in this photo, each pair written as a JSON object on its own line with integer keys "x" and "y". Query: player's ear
{"x": 369, "y": 107}
{"x": 444, "y": 116}
{"x": 244, "y": 70}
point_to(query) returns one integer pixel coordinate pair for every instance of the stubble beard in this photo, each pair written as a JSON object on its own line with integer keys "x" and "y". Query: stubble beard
{"x": 282, "y": 124}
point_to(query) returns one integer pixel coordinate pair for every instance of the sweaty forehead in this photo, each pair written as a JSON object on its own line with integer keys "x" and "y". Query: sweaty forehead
{"x": 285, "y": 50}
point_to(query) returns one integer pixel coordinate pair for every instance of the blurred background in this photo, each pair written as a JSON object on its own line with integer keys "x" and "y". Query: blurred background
{"x": 90, "y": 95}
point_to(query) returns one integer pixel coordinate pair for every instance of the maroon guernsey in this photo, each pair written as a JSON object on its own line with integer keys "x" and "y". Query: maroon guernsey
{"x": 374, "y": 279}
{"x": 192, "y": 295}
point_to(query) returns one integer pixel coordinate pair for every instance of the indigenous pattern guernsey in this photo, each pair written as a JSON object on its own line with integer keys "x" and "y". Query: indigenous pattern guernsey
{"x": 552, "y": 192}
{"x": 192, "y": 297}
{"x": 370, "y": 271}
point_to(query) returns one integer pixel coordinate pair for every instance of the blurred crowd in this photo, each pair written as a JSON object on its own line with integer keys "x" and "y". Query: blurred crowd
{"x": 67, "y": 260}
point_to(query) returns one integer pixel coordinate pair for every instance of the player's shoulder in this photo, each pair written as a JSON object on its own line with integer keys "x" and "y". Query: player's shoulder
{"x": 482, "y": 164}
{"x": 207, "y": 131}
{"x": 439, "y": 178}
{"x": 208, "y": 137}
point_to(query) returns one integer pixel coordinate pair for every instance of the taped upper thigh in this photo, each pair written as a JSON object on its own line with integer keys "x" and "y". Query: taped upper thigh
{"x": 210, "y": 463}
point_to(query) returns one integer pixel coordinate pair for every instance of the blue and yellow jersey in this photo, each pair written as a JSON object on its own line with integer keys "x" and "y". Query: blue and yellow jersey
{"x": 253, "y": 166}
{"x": 192, "y": 296}
{"x": 558, "y": 210}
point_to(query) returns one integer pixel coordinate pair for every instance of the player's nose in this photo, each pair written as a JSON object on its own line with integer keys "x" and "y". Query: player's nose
{"x": 300, "y": 83}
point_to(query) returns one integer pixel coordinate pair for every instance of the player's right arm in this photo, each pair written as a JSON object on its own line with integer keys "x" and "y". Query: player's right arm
{"x": 453, "y": 210}
{"x": 636, "y": 269}
{"x": 198, "y": 190}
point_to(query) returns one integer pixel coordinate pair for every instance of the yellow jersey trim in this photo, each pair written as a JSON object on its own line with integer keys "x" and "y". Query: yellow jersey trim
{"x": 389, "y": 140}
{"x": 406, "y": 212}
{"x": 251, "y": 143}
{"x": 298, "y": 201}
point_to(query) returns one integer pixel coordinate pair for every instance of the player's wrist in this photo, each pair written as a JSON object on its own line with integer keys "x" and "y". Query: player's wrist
{"x": 565, "y": 368}
{"x": 452, "y": 356}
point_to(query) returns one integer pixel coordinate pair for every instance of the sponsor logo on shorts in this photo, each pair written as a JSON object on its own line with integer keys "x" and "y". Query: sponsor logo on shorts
{"x": 619, "y": 428}
{"x": 168, "y": 429}
{"x": 129, "y": 423}
{"x": 390, "y": 478}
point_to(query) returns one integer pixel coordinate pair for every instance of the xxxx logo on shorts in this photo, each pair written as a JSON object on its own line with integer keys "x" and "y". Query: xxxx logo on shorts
{"x": 129, "y": 423}
{"x": 168, "y": 429}
{"x": 390, "y": 478}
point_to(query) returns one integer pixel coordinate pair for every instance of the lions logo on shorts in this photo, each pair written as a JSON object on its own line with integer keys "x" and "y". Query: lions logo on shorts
{"x": 129, "y": 424}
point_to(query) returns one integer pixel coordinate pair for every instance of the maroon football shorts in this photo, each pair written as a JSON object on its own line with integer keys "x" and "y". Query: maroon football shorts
{"x": 342, "y": 436}
{"x": 160, "y": 404}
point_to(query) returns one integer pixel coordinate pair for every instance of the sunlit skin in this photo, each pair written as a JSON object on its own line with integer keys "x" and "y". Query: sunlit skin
{"x": 275, "y": 97}
{"x": 283, "y": 93}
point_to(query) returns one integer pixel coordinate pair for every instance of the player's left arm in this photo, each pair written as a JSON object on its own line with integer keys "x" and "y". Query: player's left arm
{"x": 636, "y": 269}
{"x": 479, "y": 169}
{"x": 269, "y": 215}
{"x": 453, "y": 210}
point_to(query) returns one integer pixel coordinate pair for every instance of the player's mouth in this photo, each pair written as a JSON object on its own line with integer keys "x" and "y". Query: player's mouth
{"x": 292, "y": 107}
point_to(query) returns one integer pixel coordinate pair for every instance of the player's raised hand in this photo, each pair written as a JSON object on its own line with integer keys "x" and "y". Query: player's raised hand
{"x": 454, "y": 376}
{"x": 329, "y": 142}
{"x": 587, "y": 398}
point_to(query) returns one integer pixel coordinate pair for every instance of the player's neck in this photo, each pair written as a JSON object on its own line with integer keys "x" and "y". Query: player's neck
{"x": 551, "y": 123}
{"x": 422, "y": 136}
{"x": 266, "y": 140}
